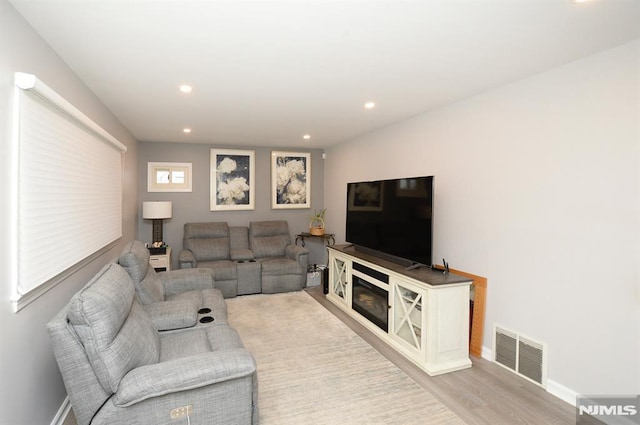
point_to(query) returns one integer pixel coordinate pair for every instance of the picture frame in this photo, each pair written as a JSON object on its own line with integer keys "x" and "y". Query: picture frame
{"x": 232, "y": 180}
{"x": 290, "y": 180}
{"x": 169, "y": 176}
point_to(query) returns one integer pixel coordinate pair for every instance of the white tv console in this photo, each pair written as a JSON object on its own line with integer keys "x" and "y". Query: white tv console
{"x": 425, "y": 315}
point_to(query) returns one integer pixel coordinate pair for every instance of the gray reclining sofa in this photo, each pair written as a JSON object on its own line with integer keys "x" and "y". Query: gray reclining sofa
{"x": 246, "y": 260}
{"x": 119, "y": 369}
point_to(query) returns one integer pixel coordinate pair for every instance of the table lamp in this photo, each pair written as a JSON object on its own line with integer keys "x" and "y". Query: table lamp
{"x": 156, "y": 211}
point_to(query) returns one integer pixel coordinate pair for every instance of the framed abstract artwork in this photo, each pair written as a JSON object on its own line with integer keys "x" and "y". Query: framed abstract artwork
{"x": 232, "y": 180}
{"x": 290, "y": 180}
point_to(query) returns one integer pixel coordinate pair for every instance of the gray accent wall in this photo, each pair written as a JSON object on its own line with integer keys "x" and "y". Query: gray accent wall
{"x": 31, "y": 388}
{"x": 194, "y": 206}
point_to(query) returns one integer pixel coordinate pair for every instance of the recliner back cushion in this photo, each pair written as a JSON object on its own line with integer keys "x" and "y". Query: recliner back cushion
{"x": 269, "y": 238}
{"x": 135, "y": 260}
{"x": 207, "y": 241}
{"x": 208, "y": 249}
{"x": 239, "y": 237}
{"x": 150, "y": 289}
{"x": 206, "y": 230}
{"x": 116, "y": 333}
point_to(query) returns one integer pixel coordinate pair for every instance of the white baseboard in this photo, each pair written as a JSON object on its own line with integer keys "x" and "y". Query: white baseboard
{"x": 554, "y": 388}
{"x": 563, "y": 393}
{"x": 486, "y": 353}
{"x": 63, "y": 413}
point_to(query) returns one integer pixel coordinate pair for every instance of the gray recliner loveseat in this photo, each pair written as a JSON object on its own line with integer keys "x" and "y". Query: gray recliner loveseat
{"x": 246, "y": 260}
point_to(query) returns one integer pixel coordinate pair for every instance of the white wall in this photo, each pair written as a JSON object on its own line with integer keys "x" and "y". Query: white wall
{"x": 31, "y": 389}
{"x": 537, "y": 188}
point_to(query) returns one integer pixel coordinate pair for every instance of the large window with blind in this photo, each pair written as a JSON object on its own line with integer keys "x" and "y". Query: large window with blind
{"x": 67, "y": 200}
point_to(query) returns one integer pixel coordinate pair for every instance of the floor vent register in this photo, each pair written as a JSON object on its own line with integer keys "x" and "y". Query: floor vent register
{"x": 522, "y": 355}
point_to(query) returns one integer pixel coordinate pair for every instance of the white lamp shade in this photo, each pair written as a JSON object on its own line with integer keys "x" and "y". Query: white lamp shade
{"x": 156, "y": 209}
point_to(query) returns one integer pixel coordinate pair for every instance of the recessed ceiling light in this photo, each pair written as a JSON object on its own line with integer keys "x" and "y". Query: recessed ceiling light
{"x": 185, "y": 88}
{"x": 370, "y": 105}
{"x": 306, "y": 137}
{"x": 186, "y": 130}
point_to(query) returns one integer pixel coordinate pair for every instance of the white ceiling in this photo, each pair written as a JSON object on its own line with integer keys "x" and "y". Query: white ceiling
{"x": 264, "y": 72}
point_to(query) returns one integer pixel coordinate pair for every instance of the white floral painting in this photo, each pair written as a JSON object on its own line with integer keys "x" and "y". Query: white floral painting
{"x": 290, "y": 180}
{"x": 232, "y": 180}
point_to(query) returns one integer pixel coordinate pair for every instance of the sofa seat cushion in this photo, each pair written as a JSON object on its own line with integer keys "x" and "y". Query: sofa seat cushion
{"x": 117, "y": 334}
{"x": 191, "y": 359}
{"x": 222, "y": 269}
{"x": 196, "y": 341}
{"x": 276, "y": 266}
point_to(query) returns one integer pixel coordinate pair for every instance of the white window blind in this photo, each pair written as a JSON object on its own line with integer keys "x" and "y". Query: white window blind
{"x": 69, "y": 187}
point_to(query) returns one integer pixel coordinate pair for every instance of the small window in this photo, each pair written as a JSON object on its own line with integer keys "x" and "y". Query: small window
{"x": 177, "y": 177}
{"x": 168, "y": 177}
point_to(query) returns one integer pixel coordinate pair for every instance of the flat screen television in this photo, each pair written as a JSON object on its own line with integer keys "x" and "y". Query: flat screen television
{"x": 392, "y": 218}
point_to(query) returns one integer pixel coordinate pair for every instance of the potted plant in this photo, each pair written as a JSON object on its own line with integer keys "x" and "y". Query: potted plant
{"x": 316, "y": 223}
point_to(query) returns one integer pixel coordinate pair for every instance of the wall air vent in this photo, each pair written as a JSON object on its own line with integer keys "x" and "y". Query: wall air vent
{"x": 521, "y": 355}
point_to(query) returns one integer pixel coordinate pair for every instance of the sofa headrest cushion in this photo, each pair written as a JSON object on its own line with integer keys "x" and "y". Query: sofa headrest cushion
{"x": 269, "y": 228}
{"x": 206, "y": 230}
{"x": 135, "y": 260}
{"x": 117, "y": 334}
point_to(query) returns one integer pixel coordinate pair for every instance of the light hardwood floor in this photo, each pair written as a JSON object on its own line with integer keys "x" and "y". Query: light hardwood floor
{"x": 483, "y": 394}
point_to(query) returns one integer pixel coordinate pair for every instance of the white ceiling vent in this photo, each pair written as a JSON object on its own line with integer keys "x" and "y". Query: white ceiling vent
{"x": 522, "y": 355}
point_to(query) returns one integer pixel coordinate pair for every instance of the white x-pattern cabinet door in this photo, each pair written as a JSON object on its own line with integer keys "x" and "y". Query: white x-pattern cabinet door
{"x": 408, "y": 318}
{"x": 339, "y": 278}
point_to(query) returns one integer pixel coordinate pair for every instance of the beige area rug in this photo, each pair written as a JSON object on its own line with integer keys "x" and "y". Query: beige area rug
{"x": 313, "y": 369}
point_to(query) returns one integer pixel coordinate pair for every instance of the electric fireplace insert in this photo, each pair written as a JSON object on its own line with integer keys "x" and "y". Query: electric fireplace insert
{"x": 371, "y": 301}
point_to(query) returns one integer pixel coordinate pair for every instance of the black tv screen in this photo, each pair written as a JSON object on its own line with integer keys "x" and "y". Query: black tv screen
{"x": 392, "y": 217}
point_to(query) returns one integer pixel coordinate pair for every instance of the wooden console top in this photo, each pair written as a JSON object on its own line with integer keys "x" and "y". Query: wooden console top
{"x": 422, "y": 274}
